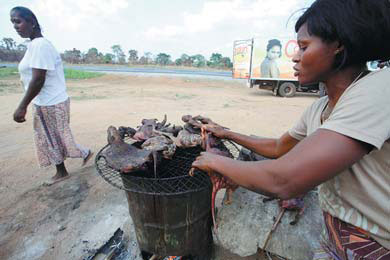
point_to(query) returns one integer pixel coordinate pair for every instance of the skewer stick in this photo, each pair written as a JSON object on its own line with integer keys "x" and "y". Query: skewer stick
{"x": 281, "y": 213}
{"x": 154, "y": 257}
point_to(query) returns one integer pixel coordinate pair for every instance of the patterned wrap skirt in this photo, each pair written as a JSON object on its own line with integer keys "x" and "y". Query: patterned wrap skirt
{"x": 342, "y": 241}
{"x": 52, "y": 135}
{"x": 347, "y": 242}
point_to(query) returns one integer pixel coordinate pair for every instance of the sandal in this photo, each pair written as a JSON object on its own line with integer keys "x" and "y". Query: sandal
{"x": 86, "y": 159}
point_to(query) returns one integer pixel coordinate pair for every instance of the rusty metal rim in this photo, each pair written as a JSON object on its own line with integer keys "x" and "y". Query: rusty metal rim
{"x": 98, "y": 157}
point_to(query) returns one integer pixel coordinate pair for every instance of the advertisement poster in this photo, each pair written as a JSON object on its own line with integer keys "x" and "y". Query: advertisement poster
{"x": 241, "y": 59}
{"x": 272, "y": 58}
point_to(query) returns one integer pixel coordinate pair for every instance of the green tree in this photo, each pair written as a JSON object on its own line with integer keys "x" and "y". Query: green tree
{"x": 119, "y": 54}
{"x": 198, "y": 60}
{"x": 109, "y": 58}
{"x": 92, "y": 56}
{"x": 186, "y": 60}
{"x": 179, "y": 62}
{"x": 163, "y": 59}
{"x": 147, "y": 58}
{"x": 215, "y": 60}
{"x": 9, "y": 51}
{"x": 72, "y": 56}
{"x": 8, "y": 43}
{"x": 133, "y": 56}
{"x": 226, "y": 62}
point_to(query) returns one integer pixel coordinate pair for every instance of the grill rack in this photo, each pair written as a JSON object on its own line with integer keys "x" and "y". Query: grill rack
{"x": 172, "y": 175}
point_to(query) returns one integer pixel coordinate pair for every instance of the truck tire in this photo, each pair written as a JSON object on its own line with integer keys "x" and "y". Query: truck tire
{"x": 287, "y": 89}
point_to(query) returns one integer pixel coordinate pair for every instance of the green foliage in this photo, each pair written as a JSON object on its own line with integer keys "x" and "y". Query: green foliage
{"x": 179, "y": 62}
{"x": 79, "y": 74}
{"x": 119, "y": 54}
{"x": 93, "y": 56}
{"x": 215, "y": 58}
{"x": 9, "y": 43}
{"x": 133, "y": 56}
{"x": 72, "y": 56}
{"x": 217, "y": 61}
{"x": 194, "y": 60}
{"x": 69, "y": 73}
{"x": 10, "y": 51}
{"x": 163, "y": 59}
{"x": 198, "y": 60}
{"x": 184, "y": 96}
{"x": 186, "y": 60}
{"x": 6, "y": 72}
{"x": 108, "y": 58}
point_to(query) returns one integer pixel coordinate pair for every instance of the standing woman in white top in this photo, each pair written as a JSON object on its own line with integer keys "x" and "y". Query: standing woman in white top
{"x": 42, "y": 74}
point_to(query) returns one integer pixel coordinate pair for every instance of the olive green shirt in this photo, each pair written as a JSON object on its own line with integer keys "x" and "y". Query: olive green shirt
{"x": 359, "y": 195}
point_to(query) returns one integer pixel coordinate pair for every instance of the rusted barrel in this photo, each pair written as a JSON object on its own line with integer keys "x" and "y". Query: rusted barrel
{"x": 172, "y": 224}
{"x": 172, "y": 213}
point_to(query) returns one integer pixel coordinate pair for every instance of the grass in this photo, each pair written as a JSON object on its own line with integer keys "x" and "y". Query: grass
{"x": 184, "y": 96}
{"x": 7, "y": 72}
{"x": 79, "y": 74}
{"x": 9, "y": 85}
{"x": 69, "y": 73}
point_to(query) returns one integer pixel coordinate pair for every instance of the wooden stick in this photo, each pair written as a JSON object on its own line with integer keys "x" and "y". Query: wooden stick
{"x": 154, "y": 257}
{"x": 276, "y": 223}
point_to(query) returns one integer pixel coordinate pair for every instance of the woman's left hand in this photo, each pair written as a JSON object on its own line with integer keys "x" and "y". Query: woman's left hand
{"x": 20, "y": 114}
{"x": 204, "y": 161}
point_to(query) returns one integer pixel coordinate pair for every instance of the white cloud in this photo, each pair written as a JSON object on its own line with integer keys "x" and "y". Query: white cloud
{"x": 77, "y": 12}
{"x": 258, "y": 13}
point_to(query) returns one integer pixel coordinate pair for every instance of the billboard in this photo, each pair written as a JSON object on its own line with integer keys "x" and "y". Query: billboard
{"x": 272, "y": 58}
{"x": 267, "y": 58}
{"x": 241, "y": 58}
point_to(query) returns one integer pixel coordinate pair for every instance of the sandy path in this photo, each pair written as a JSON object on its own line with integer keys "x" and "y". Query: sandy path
{"x": 53, "y": 222}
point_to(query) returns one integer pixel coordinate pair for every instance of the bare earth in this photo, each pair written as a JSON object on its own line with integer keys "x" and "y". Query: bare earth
{"x": 68, "y": 220}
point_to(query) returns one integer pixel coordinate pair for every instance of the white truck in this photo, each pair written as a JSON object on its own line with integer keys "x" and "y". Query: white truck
{"x": 266, "y": 63}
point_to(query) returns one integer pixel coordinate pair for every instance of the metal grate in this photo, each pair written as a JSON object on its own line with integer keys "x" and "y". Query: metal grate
{"x": 172, "y": 175}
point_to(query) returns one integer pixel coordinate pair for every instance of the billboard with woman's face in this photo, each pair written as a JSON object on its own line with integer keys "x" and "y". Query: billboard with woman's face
{"x": 272, "y": 58}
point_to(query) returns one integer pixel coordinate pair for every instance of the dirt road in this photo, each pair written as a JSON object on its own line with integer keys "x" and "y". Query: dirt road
{"x": 67, "y": 220}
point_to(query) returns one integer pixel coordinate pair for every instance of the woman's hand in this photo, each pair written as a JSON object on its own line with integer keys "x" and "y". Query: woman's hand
{"x": 217, "y": 130}
{"x": 20, "y": 115}
{"x": 204, "y": 161}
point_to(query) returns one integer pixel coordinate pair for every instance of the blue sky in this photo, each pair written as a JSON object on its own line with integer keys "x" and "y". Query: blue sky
{"x": 171, "y": 26}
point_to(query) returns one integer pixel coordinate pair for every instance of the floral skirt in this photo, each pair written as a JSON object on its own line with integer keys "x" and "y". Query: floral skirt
{"x": 53, "y": 138}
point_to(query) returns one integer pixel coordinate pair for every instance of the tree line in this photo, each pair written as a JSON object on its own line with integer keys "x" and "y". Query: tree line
{"x": 10, "y": 51}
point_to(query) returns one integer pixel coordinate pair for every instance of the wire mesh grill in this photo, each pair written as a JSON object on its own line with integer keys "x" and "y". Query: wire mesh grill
{"x": 172, "y": 175}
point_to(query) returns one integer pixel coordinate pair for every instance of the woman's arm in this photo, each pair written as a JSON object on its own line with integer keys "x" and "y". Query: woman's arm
{"x": 314, "y": 160}
{"x": 268, "y": 147}
{"x": 273, "y": 69}
{"x": 35, "y": 86}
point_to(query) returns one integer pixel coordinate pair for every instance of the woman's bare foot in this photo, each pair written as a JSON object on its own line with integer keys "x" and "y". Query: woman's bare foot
{"x": 61, "y": 174}
{"x": 55, "y": 179}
